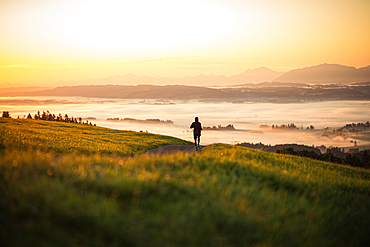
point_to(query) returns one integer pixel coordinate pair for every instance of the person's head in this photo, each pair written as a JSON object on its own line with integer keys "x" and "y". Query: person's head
{"x": 196, "y": 119}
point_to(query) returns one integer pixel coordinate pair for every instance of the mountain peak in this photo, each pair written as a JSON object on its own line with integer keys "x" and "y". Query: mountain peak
{"x": 263, "y": 69}
{"x": 330, "y": 66}
{"x": 325, "y": 73}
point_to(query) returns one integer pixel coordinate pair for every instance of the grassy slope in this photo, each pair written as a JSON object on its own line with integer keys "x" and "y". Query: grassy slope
{"x": 64, "y": 137}
{"x": 226, "y": 196}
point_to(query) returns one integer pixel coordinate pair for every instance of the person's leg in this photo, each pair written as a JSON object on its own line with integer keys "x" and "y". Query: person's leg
{"x": 195, "y": 140}
{"x": 198, "y": 140}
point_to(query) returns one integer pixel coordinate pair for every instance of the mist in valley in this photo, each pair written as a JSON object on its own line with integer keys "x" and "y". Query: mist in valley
{"x": 252, "y": 121}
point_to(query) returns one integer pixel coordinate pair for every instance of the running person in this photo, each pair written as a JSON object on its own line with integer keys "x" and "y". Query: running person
{"x": 197, "y": 127}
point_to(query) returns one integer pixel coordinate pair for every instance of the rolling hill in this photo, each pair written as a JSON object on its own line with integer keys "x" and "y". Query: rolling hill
{"x": 53, "y": 193}
{"x": 72, "y": 137}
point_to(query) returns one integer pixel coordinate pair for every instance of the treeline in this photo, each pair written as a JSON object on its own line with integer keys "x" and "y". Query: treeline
{"x": 275, "y": 148}
{"x": 47, "y": 116}
{"x": 155, "y": 120}
{"x": 287, "y": 126}
{"x": 361, "y": 160}
{"x": 219, "y": 127}
{"x": 353, "y": 125}
{"x": 59, "y": 118}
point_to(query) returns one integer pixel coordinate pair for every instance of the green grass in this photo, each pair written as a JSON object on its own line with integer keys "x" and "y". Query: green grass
{"x": 71, "y": 137}
{"x": 225, "y": 196}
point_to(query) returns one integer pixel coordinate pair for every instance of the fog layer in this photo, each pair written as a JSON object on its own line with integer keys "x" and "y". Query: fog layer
{"x": 245, "y": 117}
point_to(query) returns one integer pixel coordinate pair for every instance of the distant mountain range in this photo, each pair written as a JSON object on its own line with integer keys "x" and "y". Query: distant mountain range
{"x": 251, "y": 75}
{"x": 326, "y": 73}
{"x": 319, "y": 74}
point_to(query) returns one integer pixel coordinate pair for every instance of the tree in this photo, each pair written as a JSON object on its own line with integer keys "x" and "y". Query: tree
{"x": 352, "y": 160}
{"x": 365, "y": 159}
{"x": 6, "y": 114}
{"x": 288, "y": 150}
{"x": 37, "y": 116}
{"x": 328, "y": 156}
{"x": 43, "y": 116}
{"x": 29, "y": 116}
{"x": 309, "y": 154}
{"x": 50, "y": 117}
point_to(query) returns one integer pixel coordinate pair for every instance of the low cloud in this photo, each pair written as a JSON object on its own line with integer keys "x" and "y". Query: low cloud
{"x": 16, "y": 65}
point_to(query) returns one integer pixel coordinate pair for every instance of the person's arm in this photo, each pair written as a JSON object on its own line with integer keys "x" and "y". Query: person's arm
{"x": 192, "y": 125}
{"x": 200, "y": 126}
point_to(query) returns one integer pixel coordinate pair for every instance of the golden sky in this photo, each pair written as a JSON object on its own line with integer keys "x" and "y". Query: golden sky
{"x": 44, "y": 42}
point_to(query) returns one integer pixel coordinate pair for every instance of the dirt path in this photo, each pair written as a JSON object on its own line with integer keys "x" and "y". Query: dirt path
{"x": 173, "y": 149}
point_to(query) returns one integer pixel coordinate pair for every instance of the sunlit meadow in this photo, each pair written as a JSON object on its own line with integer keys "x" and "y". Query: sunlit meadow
{"x": 65, "y": 195}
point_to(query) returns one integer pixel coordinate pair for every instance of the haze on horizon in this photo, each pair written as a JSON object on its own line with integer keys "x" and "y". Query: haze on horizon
{"x": 46, "y": 42}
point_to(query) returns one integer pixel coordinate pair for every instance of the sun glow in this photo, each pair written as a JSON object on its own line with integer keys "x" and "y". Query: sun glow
{"x": 45, "y": 41}
{"x": 138, "y": 25}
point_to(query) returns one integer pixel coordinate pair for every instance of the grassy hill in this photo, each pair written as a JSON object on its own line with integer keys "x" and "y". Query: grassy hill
{"x": 225, "y": 196}
{"x": 71, "y": 137}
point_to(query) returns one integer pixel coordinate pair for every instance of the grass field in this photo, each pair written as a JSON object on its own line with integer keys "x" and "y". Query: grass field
{"x": 71, "y": 137}
{"x": 225, "y": 196}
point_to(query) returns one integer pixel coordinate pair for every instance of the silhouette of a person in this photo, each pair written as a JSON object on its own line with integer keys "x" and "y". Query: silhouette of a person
{"x": 197, "y": 127}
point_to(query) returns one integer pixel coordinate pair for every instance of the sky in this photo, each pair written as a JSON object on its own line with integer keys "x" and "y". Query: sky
{"x": 46, "y": 42}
